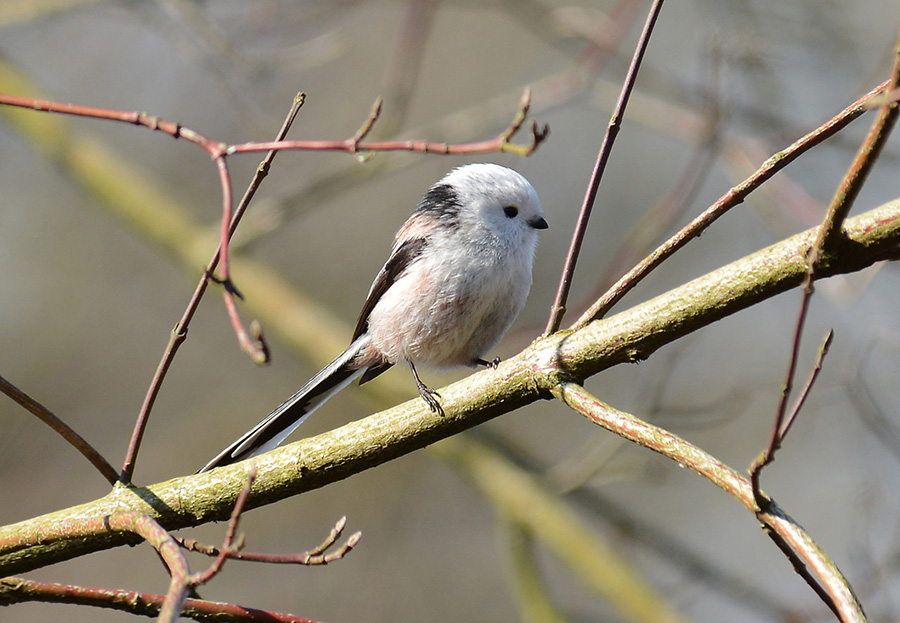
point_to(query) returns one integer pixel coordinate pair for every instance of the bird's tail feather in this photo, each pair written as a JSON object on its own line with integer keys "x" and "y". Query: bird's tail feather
{"x": 273, "y": 429}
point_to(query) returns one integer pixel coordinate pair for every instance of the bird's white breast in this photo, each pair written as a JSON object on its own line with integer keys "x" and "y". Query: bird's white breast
{"x": 451, "y": 307}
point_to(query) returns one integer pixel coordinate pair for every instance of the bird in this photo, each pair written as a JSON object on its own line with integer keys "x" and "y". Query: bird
{"x": 458, "y": 274}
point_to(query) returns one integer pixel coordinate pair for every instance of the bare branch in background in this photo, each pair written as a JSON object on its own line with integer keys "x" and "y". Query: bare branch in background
{"x": 565, "y": 283}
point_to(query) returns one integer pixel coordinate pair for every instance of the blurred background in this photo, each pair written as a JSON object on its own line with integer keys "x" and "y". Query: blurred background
{"x": 89, "y": 297}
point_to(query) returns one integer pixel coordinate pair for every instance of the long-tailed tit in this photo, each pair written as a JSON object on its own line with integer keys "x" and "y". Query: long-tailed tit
{"x": 457, "y": 277}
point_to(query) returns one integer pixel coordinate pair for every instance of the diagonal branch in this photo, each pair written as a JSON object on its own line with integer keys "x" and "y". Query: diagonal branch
{"x": 859, "y": 170}
{"x": 609, "y": 138}
{"x": 809, "y": 560}
{"x": 530, "y": 376}
{"x": 732, "y": 198}
{"x": 65, "y": 431}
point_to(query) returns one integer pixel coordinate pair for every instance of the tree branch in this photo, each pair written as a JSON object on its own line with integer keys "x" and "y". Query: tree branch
{"x": 558, "y": 308}
{"x": 732, "y": 198}
{"x": 65, "y": 431}
{"x": 808, "y": 558}
{"x": 19, "y": 590}
{"x": 179, "y": 333}
{"x": 315, "y": 462}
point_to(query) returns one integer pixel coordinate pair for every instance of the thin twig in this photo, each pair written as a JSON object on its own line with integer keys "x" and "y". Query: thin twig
{"x": 801, "y": 568}
{"x": 66, "y": 432}
{"x": 855, "y": 177}
{"x": 179, "y": 333}
{"x": 612, "y": 130}
{"x": 500, "y": 143}
{"x": 367, "y": 125}
{"x": 783, "y": 422}
{"x": 351, "y": 145}
{"x": 251, "y": 341}
{"x": 732, "y": 198}
{"x": 332, "y": 537}
{"x": 810, "y": 381}
{"x": 256, "y": 348}
{"x": 18, "y": 590}
{"x": 830, "y": 234}
{"x": 228, "y": 544}
{"x": 768, "y": 455}
{"x": 181, "y": 581}
{"x": 315, "y": 556}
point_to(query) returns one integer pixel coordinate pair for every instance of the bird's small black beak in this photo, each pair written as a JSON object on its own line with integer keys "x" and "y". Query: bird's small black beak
{"x": 538, "y": 223}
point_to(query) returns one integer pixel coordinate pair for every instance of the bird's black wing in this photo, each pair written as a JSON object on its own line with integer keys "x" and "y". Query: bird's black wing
{"x": 402, "y": 257}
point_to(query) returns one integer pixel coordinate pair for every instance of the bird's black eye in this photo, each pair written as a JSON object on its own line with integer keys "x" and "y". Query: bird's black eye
{"x": 511, "y": 211}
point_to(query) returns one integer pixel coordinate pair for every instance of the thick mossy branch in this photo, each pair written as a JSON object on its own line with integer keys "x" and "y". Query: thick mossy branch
{"x": 311, "y": 463}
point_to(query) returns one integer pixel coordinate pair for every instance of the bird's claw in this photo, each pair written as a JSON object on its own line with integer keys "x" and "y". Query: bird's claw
{"x": 431, "y": 398}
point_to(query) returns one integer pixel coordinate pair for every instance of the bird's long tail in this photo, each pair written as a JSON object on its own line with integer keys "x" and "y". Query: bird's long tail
{"x": 273, "y": 429}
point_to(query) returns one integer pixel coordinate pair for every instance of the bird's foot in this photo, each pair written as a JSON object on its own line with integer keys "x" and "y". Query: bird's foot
{"x": 431, "y": 398}
{"x": 429, "y": 395}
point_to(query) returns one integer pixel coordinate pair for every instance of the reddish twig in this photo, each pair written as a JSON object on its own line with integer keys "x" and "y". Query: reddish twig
{"x": 354, "y": 145}
{"x": 255, "y": 347}
{"x": 251, "y": 341}
{"x": 19, "y": 590}
{"x": 783, "y": 420}
{"x": 788, "y": 420}
{"x": 142, "y": 119}
{"x": 179, "y": 333}
{"x": 315, "y": 556}
{"x": 154, "y": 534}
{"x": 229, "y": 548}
{"x": 182, "y": 581}
{"x": 830, "y": 235}
{"x": 612, "y": 130}
{"x": 866, "y": 156}
{"x": 66, "y": 432}
{"x": 732, "y": 198}
{"x": 367, "y": 125}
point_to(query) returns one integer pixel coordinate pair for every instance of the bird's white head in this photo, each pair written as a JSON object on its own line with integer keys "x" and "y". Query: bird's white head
{"x": 493, "y": 201}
